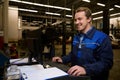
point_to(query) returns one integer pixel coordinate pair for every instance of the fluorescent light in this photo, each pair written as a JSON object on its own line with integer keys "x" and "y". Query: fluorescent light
{"x": 97, "y": 13}
{"x": 117, "y": 6}
{"x": 68, "y": 9}
{"x": 97, "y": 18}
{"x": 111, "y": 9}
{"x": 15, "y": 0}
{"x": 52, "y": 13}
{"x": 86, "y": 0}
{"x": 25, "y": 2}
{"x": 68, "y": 15}
{"x": 42, "y": 5}
{"x": 115, "y": 14}
{"x": 101, "y": 11}
{"x": 100, "y": 4}
{"x": 57, "y": 14}
{"x": 28, "y": 10}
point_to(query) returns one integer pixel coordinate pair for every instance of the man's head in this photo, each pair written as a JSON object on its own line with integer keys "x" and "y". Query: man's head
{"x": 83, "y": 19}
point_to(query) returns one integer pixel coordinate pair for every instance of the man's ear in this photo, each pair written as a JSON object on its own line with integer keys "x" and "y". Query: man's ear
{"x": 89, "y": 19}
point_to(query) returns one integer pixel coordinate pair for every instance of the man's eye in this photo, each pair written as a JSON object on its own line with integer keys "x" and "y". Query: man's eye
{"x": 79, "y": 18}
{"x": 75, "y": 20}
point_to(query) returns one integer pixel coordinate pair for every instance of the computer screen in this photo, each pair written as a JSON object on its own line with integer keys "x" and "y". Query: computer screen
{"x": 36, "y": 40}
{"x": 33, "y": 41}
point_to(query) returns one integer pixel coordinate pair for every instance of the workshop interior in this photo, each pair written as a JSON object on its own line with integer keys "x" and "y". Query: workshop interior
{"x": 37, "y": 30}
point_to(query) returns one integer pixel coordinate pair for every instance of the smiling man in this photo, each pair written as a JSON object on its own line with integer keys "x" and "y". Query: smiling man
{"x": 91, "y": 53}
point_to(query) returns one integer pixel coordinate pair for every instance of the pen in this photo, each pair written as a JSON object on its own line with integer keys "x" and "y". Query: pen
{"x": 46, "y": 66}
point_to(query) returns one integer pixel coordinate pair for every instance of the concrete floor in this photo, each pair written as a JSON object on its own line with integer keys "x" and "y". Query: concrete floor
{"x": 114, "y": 72}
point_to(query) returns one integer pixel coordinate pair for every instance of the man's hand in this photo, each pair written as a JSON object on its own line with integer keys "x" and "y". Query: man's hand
{"x": 77, "y": 71}
{"x": 57, "y": 59}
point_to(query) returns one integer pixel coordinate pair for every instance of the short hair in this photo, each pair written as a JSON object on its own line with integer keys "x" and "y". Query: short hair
{"x": 87, "y": 11}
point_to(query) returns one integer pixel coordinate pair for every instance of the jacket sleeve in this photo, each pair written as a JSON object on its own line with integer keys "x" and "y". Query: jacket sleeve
{"x": 104, "y": 60}
{"x": 67, "y": 58}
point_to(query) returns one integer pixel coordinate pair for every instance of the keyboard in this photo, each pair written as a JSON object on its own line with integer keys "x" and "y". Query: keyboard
{"x": 58, "y": 65}
{"x": 64, "y": 68}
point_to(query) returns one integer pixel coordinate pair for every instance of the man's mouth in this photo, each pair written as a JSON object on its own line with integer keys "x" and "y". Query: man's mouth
{"x": 79, "y": 25}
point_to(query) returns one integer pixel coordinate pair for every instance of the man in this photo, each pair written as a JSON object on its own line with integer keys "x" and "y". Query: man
{"x": 92, "y": 53}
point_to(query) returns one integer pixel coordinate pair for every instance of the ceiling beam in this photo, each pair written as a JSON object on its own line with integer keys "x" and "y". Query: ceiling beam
{"x": 41, "y": 16}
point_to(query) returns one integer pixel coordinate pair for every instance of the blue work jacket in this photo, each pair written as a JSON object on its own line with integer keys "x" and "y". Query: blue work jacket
{"x": 94, "y": 52}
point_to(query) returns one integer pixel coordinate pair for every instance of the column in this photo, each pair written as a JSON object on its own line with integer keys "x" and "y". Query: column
{"x": 5, "y": 20}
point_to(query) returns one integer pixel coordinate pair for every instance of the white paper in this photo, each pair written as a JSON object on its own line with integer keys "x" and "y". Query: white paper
{"x": 36, "y": 73}
{"x": 20, "y": 60}
{"x": 30, "y": 68}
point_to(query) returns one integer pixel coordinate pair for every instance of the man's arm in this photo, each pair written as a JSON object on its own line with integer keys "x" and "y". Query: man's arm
{"x": 104, "y": 61}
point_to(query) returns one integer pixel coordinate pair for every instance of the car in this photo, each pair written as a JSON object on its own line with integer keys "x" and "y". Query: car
{"x": 114, "y": 41}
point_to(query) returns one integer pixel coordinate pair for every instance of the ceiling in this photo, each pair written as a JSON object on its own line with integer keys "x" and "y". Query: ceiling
{"x": 72, "y": 4}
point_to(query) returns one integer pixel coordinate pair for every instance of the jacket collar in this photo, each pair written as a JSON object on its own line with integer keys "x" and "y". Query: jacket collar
{"x": 90, "y": 33}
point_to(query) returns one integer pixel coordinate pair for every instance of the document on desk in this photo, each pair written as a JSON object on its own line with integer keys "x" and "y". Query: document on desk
{"x": 36, "y": 72}
{"x": 20, "y": 60}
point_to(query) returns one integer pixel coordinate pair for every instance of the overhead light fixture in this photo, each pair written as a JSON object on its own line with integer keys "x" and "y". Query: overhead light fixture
{"x": 86, "y": 1}
{"x": 111, "y": 9}
{"x": 41, "y": 5}
{"x": 117, "y": 6}
{"x": 28, "y": 10}
{"x": 97, "y": 13}
{"x": 101, "y": 11}
{"x": 115, "y": 14}
{"x": 50, "y": 13}
{"x": 100, "y": 4}
{"x": 68, "y": 15}
{"x": 57, "y": 14}
{"x": 97, "y": 18}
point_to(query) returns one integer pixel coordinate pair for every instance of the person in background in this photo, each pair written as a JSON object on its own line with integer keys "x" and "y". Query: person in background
{"x": 91, "y": 53}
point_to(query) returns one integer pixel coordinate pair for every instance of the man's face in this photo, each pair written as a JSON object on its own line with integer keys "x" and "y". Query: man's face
{"x": 81, "y": 21}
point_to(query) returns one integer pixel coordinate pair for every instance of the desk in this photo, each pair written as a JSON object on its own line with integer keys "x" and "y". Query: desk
{"x": 38, "y": 72}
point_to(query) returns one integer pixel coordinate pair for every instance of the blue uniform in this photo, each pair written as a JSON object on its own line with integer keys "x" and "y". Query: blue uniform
{"x": 93, "y": 51}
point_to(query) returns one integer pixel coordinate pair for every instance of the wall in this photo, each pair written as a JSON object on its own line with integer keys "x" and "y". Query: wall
{"x": 1, "y": 18}
{"x": 13, "y": 24}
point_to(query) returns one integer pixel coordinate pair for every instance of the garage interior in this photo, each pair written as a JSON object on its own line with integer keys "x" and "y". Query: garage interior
{"x": 20, "y": 16}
